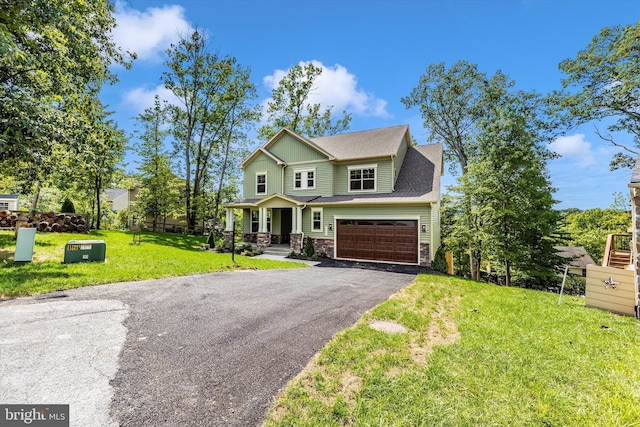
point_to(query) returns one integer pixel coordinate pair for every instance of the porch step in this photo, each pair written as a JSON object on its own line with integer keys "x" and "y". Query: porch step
{"x": 279, "y": 250}
{"x": 619, "y": 260}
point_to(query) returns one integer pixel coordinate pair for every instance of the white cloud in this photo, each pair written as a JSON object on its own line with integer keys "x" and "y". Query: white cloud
{"x": 149, "y": 33}
{"x": 575, "y": 147}
{"x": 141, "y": 98}
{"x": 338, "y": 88}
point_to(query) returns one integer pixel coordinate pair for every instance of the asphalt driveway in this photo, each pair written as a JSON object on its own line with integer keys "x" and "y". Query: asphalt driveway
{"x": 206, "y": 350}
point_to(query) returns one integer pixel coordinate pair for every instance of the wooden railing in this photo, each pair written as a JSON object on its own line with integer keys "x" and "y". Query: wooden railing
{"x": 617, "y": 253}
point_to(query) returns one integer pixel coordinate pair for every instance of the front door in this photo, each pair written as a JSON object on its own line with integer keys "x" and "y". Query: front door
{"x": 285, "y": 224}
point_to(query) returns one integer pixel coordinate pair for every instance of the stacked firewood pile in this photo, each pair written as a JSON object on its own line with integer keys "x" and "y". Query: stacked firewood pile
{"x": 46, "y": 222}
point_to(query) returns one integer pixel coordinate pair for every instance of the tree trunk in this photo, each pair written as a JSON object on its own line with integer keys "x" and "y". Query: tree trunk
{"x": 507, "y": 275}
{"x": 36, "y": 197}
{"x": 475, "y": 258}
{"x": 98, "y": 187}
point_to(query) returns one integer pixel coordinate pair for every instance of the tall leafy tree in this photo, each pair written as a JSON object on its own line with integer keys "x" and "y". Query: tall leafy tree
{"x": 290, "y": 107}
{"x": 509, "y": 193}
{"x": 603, "y": 81}
{"x": 214, "y": 95}
{"x": 159, "y": 195}
{"x": 98, "y": 157}
{"x": 53, "y": 54}
{"x": 450, "y": 103}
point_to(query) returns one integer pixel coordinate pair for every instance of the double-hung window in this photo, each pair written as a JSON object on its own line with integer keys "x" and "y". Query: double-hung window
{"x": 362, "y": 178}
{"x": 316, "y": 219}
{"x": 4, "y": 206}
{"x": 304, "y": 179}
{"x": 255, "y": 221}
{"x": 261, "y": 183}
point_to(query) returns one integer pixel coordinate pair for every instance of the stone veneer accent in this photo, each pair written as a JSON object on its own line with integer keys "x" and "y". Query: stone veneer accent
{"x": 263, "y": 240}
{"x": 276, "y": 239}
{"x": 295, "y": 242}
{"x": 323, "y": 245}
{"x": 250, "y": 237}
{"x": 424, "y": 255}
{"x": 228, "y": 240}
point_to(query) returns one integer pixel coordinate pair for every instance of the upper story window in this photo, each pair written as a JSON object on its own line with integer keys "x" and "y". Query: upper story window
{"x": 4, "y": 206}
{"x": 304, "y": 179}
{"x": 362, "y": 178}
{"x": 261, "y": 183}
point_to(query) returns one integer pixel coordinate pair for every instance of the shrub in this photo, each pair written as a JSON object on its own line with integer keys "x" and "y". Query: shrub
{"x": 440, "y": 261}
{"x": 67, "y": 206}
{"x": 309, "y": 250}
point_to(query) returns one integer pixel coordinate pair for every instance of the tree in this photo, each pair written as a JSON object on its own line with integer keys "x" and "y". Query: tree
{"x": 509, "y": 193}
{"x": 290, "y": 109}
{"x": 53, "y": 55}
{"x": 449, "y": 101}
{"x": 213, "y": 95}
{"x": 605, "y": 82}
{"x": 159, "y": 195}
{"x": 96, "y": 160}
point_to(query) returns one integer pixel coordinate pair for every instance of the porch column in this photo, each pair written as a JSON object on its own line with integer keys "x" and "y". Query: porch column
{"x": 298, "y": 220}
{"x": 230, "y": 220}
{"x": 294, "y": 221}
{"x": 263, "y": 220}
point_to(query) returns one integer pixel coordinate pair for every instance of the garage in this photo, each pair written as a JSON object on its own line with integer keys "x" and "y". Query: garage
{"x": 378, "y": 240}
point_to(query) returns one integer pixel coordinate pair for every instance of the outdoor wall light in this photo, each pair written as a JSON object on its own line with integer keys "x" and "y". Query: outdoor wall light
{"x": 424, "y": 228}
{"x": 330, "y": 226}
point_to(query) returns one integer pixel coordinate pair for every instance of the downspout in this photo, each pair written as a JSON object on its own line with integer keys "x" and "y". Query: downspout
{"x": 393, "y": 172}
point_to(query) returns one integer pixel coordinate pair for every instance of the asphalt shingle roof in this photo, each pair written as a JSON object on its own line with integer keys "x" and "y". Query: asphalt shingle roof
{"x": 367, "y": 143}
{"x": 577, "y": 255}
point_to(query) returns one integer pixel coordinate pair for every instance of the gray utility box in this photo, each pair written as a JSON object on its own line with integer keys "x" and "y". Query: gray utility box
{"x": 84, "y": 250}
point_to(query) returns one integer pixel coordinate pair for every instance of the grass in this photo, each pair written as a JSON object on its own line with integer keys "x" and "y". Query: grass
{"x": 473, "y": 355}
{"x": 159, "y": 255}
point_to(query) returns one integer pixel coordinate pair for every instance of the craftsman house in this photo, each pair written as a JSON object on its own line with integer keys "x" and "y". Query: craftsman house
{"x": 366, "y": 195}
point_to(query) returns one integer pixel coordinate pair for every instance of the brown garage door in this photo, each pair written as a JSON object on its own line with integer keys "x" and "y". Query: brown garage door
{"x": 378, "y": 240}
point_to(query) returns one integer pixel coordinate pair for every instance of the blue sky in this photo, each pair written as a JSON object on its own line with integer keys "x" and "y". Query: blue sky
{"x": 373, "y": 53}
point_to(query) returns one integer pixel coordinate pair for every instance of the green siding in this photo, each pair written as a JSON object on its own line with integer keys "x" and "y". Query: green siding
{"x": 262, "y": 163}
{"x": 384, "y": 174}
{"x": 293, "y": 150}
{"x": 373, "y": 212}
{"x": 324, "y": 179}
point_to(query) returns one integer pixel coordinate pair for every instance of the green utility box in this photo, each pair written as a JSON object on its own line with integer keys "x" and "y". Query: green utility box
{"x": 84, "y": 250}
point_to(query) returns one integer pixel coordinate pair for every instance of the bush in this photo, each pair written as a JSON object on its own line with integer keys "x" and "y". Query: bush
{"x": 309, "y": 250}
{"x": 67, "y": 206}
{"x": 440, "y": 261}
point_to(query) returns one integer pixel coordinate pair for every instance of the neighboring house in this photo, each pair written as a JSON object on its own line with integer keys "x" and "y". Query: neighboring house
{"x": 119, "y": 198}
{"x": 634, "y": 187}
{"x": 577, "y": 258}
{"x": 8, "y": 202}
{"x": 366, "y": 195}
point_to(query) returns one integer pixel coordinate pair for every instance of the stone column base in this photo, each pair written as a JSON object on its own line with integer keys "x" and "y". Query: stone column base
{"x": 295, "y": 242}
{"x": 264, "y": 240}
{"x": 425, "y": 259}
{"x": 228, "y": 240}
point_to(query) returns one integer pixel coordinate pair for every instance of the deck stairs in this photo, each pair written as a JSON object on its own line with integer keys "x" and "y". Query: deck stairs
{"x": 617, "y": 253}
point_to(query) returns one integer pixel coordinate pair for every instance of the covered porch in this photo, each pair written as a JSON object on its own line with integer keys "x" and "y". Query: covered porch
{"x": 275, "y": 220}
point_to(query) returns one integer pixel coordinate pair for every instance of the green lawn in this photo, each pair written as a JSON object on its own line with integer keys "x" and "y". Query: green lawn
{"x": 474, "y": 354}
{"x": 159, "y": 255}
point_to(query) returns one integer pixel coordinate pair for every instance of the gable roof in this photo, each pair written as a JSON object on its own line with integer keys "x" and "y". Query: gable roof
{"x": 380, "y": 142}
{"x": 9, "y": 196}
{"x": 114, "y": 193}
{"x": 576, "y": 255}
{"x": 274, "y": 138}
{"x": 418, "y": 180}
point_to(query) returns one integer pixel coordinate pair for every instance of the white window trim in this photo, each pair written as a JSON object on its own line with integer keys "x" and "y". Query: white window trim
{"x": 304, "y": 178}
{"x": 265, "y": 182}
{"x": 362, "y": 167}
{"x": 313, "y": 210}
